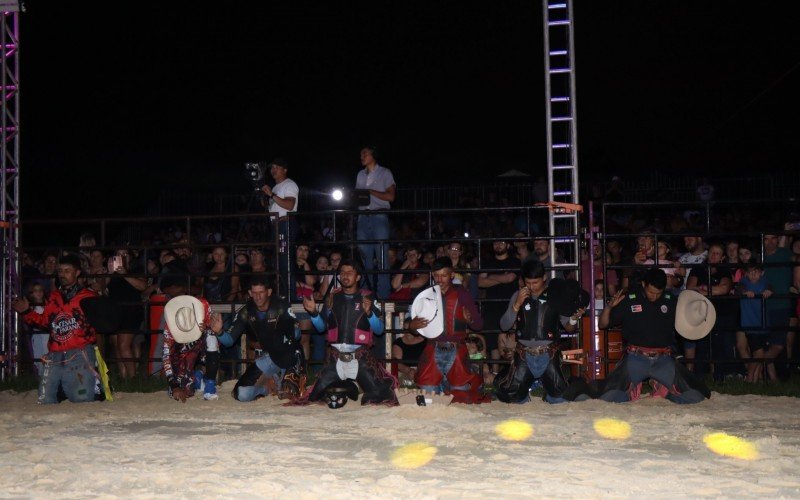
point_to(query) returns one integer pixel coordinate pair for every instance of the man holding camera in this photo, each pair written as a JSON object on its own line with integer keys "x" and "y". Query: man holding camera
{"x": 282, "y": 199}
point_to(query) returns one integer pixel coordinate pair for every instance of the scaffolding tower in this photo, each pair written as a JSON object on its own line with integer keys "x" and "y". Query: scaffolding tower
{"x": 9, "y": 168}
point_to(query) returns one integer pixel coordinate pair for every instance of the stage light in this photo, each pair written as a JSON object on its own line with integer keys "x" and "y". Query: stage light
{"x": 348, "y": 198}
{"x": 514, "y": 430}
{"x": 612, "y": 428}
{"x": 730, "y": 446}
{"x": 466, "y": 234}
{"x": 413, "y": 455}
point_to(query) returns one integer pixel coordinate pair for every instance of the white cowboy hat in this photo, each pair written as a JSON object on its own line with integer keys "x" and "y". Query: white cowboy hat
{"x": 184, "y": 314}
{"x": 695, "y": 315}
{"x": 428, "y": 305}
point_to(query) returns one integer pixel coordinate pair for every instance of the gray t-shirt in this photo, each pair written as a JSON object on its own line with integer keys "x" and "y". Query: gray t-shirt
{"x": 379, "y": 179}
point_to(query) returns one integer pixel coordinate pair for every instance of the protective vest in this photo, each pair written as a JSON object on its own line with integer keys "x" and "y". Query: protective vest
{"x": 275, "y": 333}
{"x": 537, "y": 320}
{"x": 347, "y": 323}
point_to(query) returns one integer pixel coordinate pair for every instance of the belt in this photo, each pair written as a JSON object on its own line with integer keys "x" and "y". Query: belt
{"x": 534, "y": 351}
{"x": 346, "y": 357}
{"x": 446, "y": 346}
{"x": 650, "y": 352}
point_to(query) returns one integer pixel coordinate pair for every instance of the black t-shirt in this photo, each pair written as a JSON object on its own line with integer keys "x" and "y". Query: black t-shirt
{"x": 411, "y": 352}
{"x": 725, "y": 307}
{"x": 645, "y": 323}
{"x": 504, "y": 290}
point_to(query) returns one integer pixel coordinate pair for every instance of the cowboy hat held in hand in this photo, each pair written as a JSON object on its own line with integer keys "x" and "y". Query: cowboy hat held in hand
{"x": 695, "y": 315}
{"x": 183, "y": 315}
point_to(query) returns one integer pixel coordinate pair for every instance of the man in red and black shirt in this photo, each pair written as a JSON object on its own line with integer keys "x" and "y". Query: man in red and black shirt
{"x": 70, "y": 361}
{"x": 444, "y": 364}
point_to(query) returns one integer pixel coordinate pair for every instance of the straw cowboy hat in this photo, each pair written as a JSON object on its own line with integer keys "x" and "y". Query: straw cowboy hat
{"x": 428, "y": 305}
{"x": 183, "y": 315}
{"x": 695, "y": 315}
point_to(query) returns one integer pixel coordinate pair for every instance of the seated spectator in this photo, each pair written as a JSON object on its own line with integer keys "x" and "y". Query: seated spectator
{"x": 666, "y": 263}
{"x": 323, "y": 281}
{"x": 521, "y": 247}
{"x": 242, "y": 261}
{"x": 405, "y": 285}
{"x": 455, "y": 250}
{"x": 47, "y": 270}
{"x": 408, "y": 348}
{"x": 38, "y": 336}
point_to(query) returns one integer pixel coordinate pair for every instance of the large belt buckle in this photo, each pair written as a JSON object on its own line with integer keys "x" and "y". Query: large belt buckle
{"x": 346, "y": 357}
{"x": 535, "y": 351}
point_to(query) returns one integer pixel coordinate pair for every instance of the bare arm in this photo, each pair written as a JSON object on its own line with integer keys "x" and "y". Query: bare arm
{"x": 387, "y": 195}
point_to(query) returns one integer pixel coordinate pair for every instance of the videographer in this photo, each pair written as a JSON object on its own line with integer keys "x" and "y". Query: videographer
{"x": 282, "y": 199}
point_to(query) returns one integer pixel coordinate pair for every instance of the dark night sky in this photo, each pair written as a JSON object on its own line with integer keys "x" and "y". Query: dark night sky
{"x": 123, "y": 101}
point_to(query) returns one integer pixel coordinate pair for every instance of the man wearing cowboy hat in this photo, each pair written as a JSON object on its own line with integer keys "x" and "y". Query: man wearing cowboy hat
{"x": 648, "y": 318}
{"x": 272, "y": 323}
{"x": 188, "y": 336}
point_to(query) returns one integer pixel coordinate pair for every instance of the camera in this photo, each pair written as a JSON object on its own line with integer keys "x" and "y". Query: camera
{"x": 256, "y": 172}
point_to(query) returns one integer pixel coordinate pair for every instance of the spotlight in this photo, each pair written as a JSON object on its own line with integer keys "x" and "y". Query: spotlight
{"x": 466, "y": 234}
{"x": 348, "y": 198}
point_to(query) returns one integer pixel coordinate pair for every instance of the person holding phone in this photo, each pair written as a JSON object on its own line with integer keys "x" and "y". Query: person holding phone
{"x": 126, "y": 289}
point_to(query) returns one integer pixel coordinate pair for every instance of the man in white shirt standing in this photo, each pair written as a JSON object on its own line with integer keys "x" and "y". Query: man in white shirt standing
{"x": 282, "y": 199}
{"x": 380, "y": 183}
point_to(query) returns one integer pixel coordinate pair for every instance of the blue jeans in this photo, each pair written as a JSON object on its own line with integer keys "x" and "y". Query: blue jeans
{"x": 375, "y": 255}
{"x": 537, "y": 364}
{"x": 660, "y": 368}
{"x": 269, "y": 369}
{"x": 73, "y": 370}
{"x": 444, "y": 359}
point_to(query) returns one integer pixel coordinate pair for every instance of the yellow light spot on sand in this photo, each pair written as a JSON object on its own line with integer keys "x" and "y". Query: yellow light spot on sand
{"x": 612, "y": 428}
{"x": 730, "y": 446}
{"x": 413, "y": 455}
{"x": 514, "y": 430}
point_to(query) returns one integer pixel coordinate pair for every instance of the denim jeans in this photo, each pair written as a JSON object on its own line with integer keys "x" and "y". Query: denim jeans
{"x": 660, "y": 368}
{"x": 39, "y": 349}
{"x": 73, "y": 370}
{"x": 375, "y": 255}
{"x": 268, "y": 369}
{"x": 444, "y": 359}
{"x": 537, "y": 364}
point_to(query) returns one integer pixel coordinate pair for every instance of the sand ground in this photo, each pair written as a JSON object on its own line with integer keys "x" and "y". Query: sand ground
{"x": 146, "y": 445}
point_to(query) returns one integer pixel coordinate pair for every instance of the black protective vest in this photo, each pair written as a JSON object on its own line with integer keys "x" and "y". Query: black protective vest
{"x": 347, "y": 323}
{"x": 537, "y": 320}
{"x": 275, "y": 333}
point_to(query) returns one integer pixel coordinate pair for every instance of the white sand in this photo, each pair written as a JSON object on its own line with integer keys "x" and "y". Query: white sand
{"x": 146, "y": 445}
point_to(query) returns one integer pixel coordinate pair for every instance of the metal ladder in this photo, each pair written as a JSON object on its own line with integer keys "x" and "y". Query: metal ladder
{"x": 562, "y": 138}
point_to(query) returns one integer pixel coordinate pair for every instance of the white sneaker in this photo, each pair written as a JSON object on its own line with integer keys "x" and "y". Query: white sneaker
{"x": 210, "y": 397}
